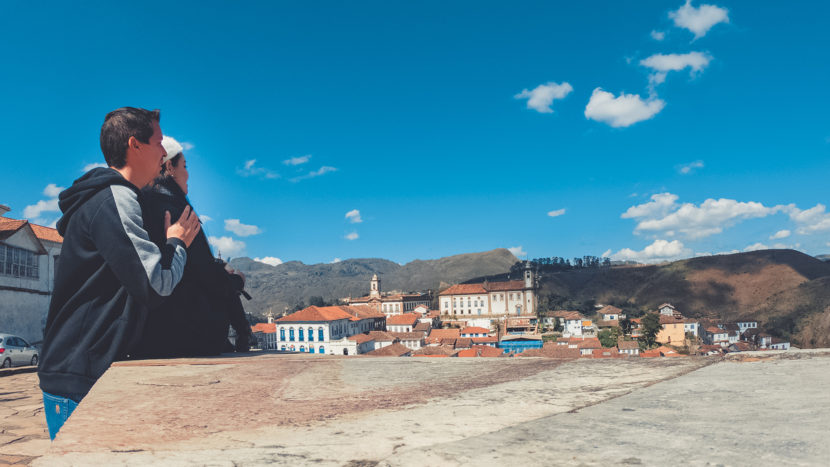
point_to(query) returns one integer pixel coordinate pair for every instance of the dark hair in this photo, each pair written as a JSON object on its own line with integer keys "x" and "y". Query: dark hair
{"x": 164, "y": 175}
{"x": 119, "y": 125}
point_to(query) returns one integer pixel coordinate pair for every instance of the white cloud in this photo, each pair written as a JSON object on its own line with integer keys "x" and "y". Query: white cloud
{"x": 541, "y": 97}
{"x": 243, "y": 230}
{"x": 297, "y": 160}
{"x": 93, "y": 165}
{"x": 354, "y": 216}
{"x": 249, "y": 170}
{"x": 517, "y": 251}
{"x": 227, "y": 246}
{"x": 622, "y": 111}
{"x": 660, "y": 205}
{"x": 810, "y": 220}
{"x": 269, "y": 260}
{"x": 205, "y": 218}
{"x": 689, "y": 168}
{"x": 780, "y": 234}
{"x": 699, "y": 20}
{"x": 335, "y": 260}
{"x": 607, "y": 254}
{"x": 658, "y": 35}
{"x": 660, "y": 250}
{"x": 187, "y": 146}
{"x": 664, "y": 215}
{"x": 34, "y": 212}
{"x": 556, "y": 213}
{"x": 352, "y": 236}
{"x": 662, "y": 64}
{"x": 52, "y": 190}
{"x": 315, "y": 173}
{"x": 756, "y": 247}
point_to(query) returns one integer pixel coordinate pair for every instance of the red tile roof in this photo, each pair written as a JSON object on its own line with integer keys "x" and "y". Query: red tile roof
{"x": 435, "y": 350}
{"x": 609, "y": 310}
{"x": 406, "y": 319}
{"x": 628, "y": 345}
{"x": 665, "y": 319}
{"x": 46, "y": 233}
{"x": 394, "y": 350}
{"x": 571, "y": 315}
{"x": 422, "y": 327}
{"x": 483, "y": 288}
{"x": 381, "y": 336}
{"x": 481, "y": 351}
{"x": 463, "y": 343}
{"x": 482, "y": 340}
{"x": 407, "y": 336}
{"x": 266, "y": 328}
{"x": 331, "y": 313}
{"x": 475, "y": 330}
{"x": 465, "y": 289}
{"x": 360, "y": 338}
{"x": 551, "y": 350}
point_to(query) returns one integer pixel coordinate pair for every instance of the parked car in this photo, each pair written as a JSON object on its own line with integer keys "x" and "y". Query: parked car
{"x": 15, "y": 351}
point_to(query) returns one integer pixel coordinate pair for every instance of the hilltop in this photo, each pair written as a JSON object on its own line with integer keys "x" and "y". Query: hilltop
{"x": 289, "y": 283}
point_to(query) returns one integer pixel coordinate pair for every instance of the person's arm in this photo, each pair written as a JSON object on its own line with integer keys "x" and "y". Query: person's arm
{"x": 147, "y": 272}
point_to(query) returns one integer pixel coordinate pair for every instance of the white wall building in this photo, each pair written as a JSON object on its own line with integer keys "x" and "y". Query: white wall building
{"x": 390, "y": 304}
{"x": 491, "y": 299}
{"x": 324, "y": 330}
{"x": 29, "y": 254}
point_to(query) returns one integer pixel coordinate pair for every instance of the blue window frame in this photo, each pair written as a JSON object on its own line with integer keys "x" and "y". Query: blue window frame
{"x": 320, "y": 336}
{"x": 310, "y": 334}
{"x": 302, "y": 348}
{"x": 291, "y": 334}
{"x": 322, "y": 350}
{"x": 302, "y": 338}
{"x": 282, "y": 334}
{"x": 310, "y": 349}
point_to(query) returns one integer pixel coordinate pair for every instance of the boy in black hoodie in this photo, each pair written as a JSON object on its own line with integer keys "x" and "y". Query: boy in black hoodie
{"x": 110, "y": 273}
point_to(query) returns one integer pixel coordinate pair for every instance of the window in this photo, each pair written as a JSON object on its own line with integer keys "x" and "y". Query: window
{"x": 18, "y": 262}
{"x": 302, "y": 347}
{"x": 310, "y": 334}
{"x": 320, "y": 334}
{"x": 282, "y": 334}
{"x": 322, "y": 350}
{"x": 291, "y": 335}
{"x": 302, "y": 334}
{"x": 310, "y": 349}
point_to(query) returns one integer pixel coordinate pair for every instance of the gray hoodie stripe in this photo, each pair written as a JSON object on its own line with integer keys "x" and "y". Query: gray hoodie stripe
{"x": 163, "y": 281}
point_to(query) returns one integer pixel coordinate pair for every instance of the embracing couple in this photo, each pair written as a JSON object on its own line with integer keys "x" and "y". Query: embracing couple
{"x": 136, "y": 277}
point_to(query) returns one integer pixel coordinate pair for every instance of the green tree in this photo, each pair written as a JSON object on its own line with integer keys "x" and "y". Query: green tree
{"x": 650, "y": 327}
{"x": 608, "y": 337}
{"x": 316, "y": 300}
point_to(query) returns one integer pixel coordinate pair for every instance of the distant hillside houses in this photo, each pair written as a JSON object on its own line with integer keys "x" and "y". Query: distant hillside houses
{"x": 393, "y": 304}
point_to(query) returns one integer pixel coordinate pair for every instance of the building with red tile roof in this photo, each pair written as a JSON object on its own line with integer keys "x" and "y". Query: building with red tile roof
{"x": 480, "y": 351}
{"x": 436, "y": 335}
{"x": 435, "y": 351}
{"x": 389, "y": 304}
{"x": 493, "y": 300}
{"x": 29, "y": 254}
{"x": 474, "y": 331}
{"x": 394, "y": 350}
{"x": 402, "y": 323}
{"x": 326, "y": 329}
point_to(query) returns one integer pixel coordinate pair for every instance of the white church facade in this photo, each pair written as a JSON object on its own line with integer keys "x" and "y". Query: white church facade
{"x": 393, "y": 304}
{"x": 491, "y": 299}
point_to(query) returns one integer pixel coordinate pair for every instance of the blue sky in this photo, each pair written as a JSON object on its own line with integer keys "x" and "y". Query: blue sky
{"x": 645, "y": 131}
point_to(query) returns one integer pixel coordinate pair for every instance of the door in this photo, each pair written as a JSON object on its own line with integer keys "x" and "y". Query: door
{"x": 26, "y": 352}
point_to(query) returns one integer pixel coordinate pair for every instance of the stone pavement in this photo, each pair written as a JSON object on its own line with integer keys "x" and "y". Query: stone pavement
{"x": 23, "y": 433}
{"x": 302, "y": 409}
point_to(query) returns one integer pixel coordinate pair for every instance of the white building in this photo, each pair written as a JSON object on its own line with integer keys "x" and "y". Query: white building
{"x": 28, "y": 256}
{"x": 490, "y": 299}
{"x": 390, "y": 304}
{"x": 402, "y": 323}
{"x": 744, "y": 325}
{"x": 325, "y": 330}
{"x": 691, "y": 326}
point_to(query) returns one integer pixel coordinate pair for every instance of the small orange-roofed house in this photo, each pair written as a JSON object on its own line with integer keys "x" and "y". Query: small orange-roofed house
{"x": 436, "y": 335}
{"x": 402, "y": 323}
{"x": 325, "y": 330}
{"x": 266, "y": 335}
{"x": 673, "y": 331}
{"x": 474, "y": 331}
{"x": 480, "y": 351}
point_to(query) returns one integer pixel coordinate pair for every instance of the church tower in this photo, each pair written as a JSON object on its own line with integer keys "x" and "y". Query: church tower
{"x": 374, "y": 286}
{"x": 528, "y": 276}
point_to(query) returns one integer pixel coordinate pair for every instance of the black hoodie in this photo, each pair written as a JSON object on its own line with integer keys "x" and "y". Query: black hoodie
{"x": 108, "y": 277}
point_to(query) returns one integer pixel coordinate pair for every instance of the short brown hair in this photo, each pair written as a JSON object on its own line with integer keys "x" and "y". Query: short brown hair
{"x": 119, "y": 125}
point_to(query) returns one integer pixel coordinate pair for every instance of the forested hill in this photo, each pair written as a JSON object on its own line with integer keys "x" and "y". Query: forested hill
{"x": 787, "y": 291}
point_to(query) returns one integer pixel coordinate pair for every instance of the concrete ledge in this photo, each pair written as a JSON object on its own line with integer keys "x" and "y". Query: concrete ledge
{"x": 329, "y": 410}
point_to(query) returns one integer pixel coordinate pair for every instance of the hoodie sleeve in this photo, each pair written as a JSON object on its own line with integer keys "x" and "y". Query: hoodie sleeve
{"x": 147, "y": 272}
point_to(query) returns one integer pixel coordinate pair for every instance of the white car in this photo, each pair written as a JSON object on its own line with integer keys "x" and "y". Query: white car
{"x": 14, "y": 351}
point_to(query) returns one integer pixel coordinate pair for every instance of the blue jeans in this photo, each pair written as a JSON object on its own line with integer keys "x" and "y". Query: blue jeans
{"x": 57, "y": 410}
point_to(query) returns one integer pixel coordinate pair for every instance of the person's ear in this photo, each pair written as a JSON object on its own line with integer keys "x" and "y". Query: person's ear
{"x": 132, "y": 142}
